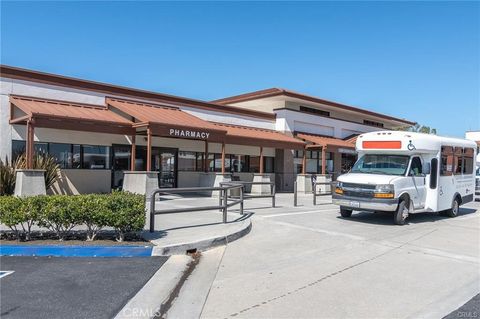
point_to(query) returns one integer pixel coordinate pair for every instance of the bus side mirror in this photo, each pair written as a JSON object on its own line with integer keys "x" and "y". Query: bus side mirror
{"x": 426, "y": 169}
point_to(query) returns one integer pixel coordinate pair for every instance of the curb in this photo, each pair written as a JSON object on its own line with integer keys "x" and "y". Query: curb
{"x": 146, "y": 303}
{"x": 202, "y": 244}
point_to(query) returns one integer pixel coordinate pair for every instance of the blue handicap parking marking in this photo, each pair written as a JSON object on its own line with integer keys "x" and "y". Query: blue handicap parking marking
{"x": 4, "y": 273}
{"x": 76, "y": 251}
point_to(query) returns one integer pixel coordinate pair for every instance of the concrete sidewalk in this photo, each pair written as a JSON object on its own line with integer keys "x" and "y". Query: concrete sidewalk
{"x": 181, "y": 232}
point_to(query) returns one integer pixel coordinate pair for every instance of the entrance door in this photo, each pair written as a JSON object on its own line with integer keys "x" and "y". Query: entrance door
{"x": 120, "y": 163}
{"x": 419, "y": 191}
{"x": 164, "y": 161}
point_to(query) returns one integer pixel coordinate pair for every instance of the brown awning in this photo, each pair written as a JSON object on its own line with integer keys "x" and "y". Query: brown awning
{"x": 253, "y": 136}
{"x": 167, "y": 121}
{"x": 67, "y": 115}
{"x": 322, "y": 141}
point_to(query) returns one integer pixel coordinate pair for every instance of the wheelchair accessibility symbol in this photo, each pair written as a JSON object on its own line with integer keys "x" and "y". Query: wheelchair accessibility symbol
{"x": 410, "y": 146}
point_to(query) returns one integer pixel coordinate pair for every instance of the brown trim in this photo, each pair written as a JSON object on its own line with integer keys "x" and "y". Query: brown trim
{"x": 133, "y": 154}
{"x": 261, "y": 170}
{"x": 149, "y": 149}
{"x": 278, "y": 92}
{"x": 53, "y": 79}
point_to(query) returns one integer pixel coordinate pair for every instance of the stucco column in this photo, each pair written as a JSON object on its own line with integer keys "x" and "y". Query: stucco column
{"x": 304, "y": 161}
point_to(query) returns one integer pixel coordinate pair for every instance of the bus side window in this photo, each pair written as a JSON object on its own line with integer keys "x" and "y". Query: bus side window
{"x": 433, "y": 173}
{"x": 468, "y": 167}
{"x": 416, "y": 167}
{"x": 446, "y": 168}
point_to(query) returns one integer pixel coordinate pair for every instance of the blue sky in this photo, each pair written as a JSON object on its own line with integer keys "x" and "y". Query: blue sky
{"x": 416, "y": 60}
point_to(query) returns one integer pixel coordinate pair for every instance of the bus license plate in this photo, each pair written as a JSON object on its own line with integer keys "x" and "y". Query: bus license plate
{"x": 355, "y": 204}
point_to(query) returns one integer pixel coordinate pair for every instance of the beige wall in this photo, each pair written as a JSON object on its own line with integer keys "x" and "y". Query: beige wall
{"x": 82, "y": 181}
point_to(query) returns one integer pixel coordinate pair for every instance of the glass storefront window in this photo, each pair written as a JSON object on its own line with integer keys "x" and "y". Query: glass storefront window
{"x": 186, "y": 161}
{"x": 76, "y": 156}
{"x": 254, "y": 164}
{"x": 18, "y": 148}
{"x": 269, "y": 165}
{"x": 62, "y": 154}
{"x": 199, "y": 159}
{"x": 239, "y": 163}
{"x": 96, "y": 157}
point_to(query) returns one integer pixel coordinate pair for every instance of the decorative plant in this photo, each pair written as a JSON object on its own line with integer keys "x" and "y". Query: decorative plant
{"x": 60, "y": 215}
{"x": 7, "y": 178}
{"x": 127, "y": 213}
{"x": 93, "y": 212}
{"x": 40, "y": 161}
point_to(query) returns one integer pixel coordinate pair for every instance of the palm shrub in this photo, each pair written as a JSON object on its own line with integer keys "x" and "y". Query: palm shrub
{"x": 41, "y": 161}
{"x": 7, "y": 178}
{"x": 126, "y": 213}
{"x": 60, "y": 215}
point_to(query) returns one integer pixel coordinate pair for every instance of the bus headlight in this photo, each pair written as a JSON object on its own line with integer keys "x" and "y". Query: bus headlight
{"x": 339, "y": 188}
{"x": 384, "y": 191}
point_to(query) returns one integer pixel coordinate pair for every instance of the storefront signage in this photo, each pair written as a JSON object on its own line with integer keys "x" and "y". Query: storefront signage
{"x": 189, "y": 134}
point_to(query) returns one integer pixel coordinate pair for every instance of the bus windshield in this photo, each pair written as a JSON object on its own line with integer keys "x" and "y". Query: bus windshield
{"x": 381, "y": 164}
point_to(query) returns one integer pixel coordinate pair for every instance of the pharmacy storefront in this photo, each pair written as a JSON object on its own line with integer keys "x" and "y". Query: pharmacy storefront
{"x": 97, "y": 132}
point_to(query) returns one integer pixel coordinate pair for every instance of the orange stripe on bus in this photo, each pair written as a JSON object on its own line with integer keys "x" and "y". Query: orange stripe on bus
{"x": 382, "y": 144}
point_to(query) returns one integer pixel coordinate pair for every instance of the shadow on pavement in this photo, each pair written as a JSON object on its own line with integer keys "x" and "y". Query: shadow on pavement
{"x": 386, "y": 218}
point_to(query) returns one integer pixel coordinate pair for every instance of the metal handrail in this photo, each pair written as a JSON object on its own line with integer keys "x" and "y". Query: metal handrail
{"x": 245, "y": 195}
{"x": 223, "y": 205}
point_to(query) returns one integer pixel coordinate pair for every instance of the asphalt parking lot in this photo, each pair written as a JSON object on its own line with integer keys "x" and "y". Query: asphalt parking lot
{"x": 70, "y": 287}
{"x": 309, "y": 262}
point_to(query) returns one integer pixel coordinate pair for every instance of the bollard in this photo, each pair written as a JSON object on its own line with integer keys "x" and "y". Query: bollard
{"x": 295, "y": 194}
{"x": 152, "y": 213}
{"x": 220, "y": 196}
{"x": 225, "y": 203}
{"x": 314, "y": 191}
{"x": 241, "y": 200}
{"x": 273, "y": 195}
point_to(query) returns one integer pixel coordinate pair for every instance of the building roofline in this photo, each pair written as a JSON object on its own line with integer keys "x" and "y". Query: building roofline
{"x": 65, "y": 81}
{"x": 279, "y": 91}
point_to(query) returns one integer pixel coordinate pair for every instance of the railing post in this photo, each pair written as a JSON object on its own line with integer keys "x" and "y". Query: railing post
{"x": 225, "y": 203}
{"x": 220, "y": 197}
{"x": 273, "y": 194}
{"x": 152, "y": 213}
{"x": 295, "y": 193}
{"x": 314, "y": 191}
{"x": 241, "y": 200}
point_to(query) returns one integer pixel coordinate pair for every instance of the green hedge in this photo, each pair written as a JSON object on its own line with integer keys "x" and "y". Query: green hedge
{"x": 123, "y": 211}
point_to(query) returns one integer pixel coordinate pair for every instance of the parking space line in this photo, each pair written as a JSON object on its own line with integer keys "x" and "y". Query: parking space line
{"x": 4, "y": 273}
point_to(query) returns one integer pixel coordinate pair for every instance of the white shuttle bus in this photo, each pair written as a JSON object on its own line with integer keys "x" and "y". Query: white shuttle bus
{"x": 407, "y": 173}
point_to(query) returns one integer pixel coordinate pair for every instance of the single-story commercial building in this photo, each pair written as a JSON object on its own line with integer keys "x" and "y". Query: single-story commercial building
{"x": 97, "y": 131}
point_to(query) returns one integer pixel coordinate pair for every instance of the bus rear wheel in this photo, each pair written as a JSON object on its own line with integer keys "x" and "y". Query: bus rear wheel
{"x": 401, "y": 213}
{"x": 453, "y": 212}
{"x": 345, "y": 212}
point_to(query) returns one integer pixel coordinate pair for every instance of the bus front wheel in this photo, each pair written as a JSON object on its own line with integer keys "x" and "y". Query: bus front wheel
{"x": 345, "y": 212}
{"x": 401, "y": 213}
